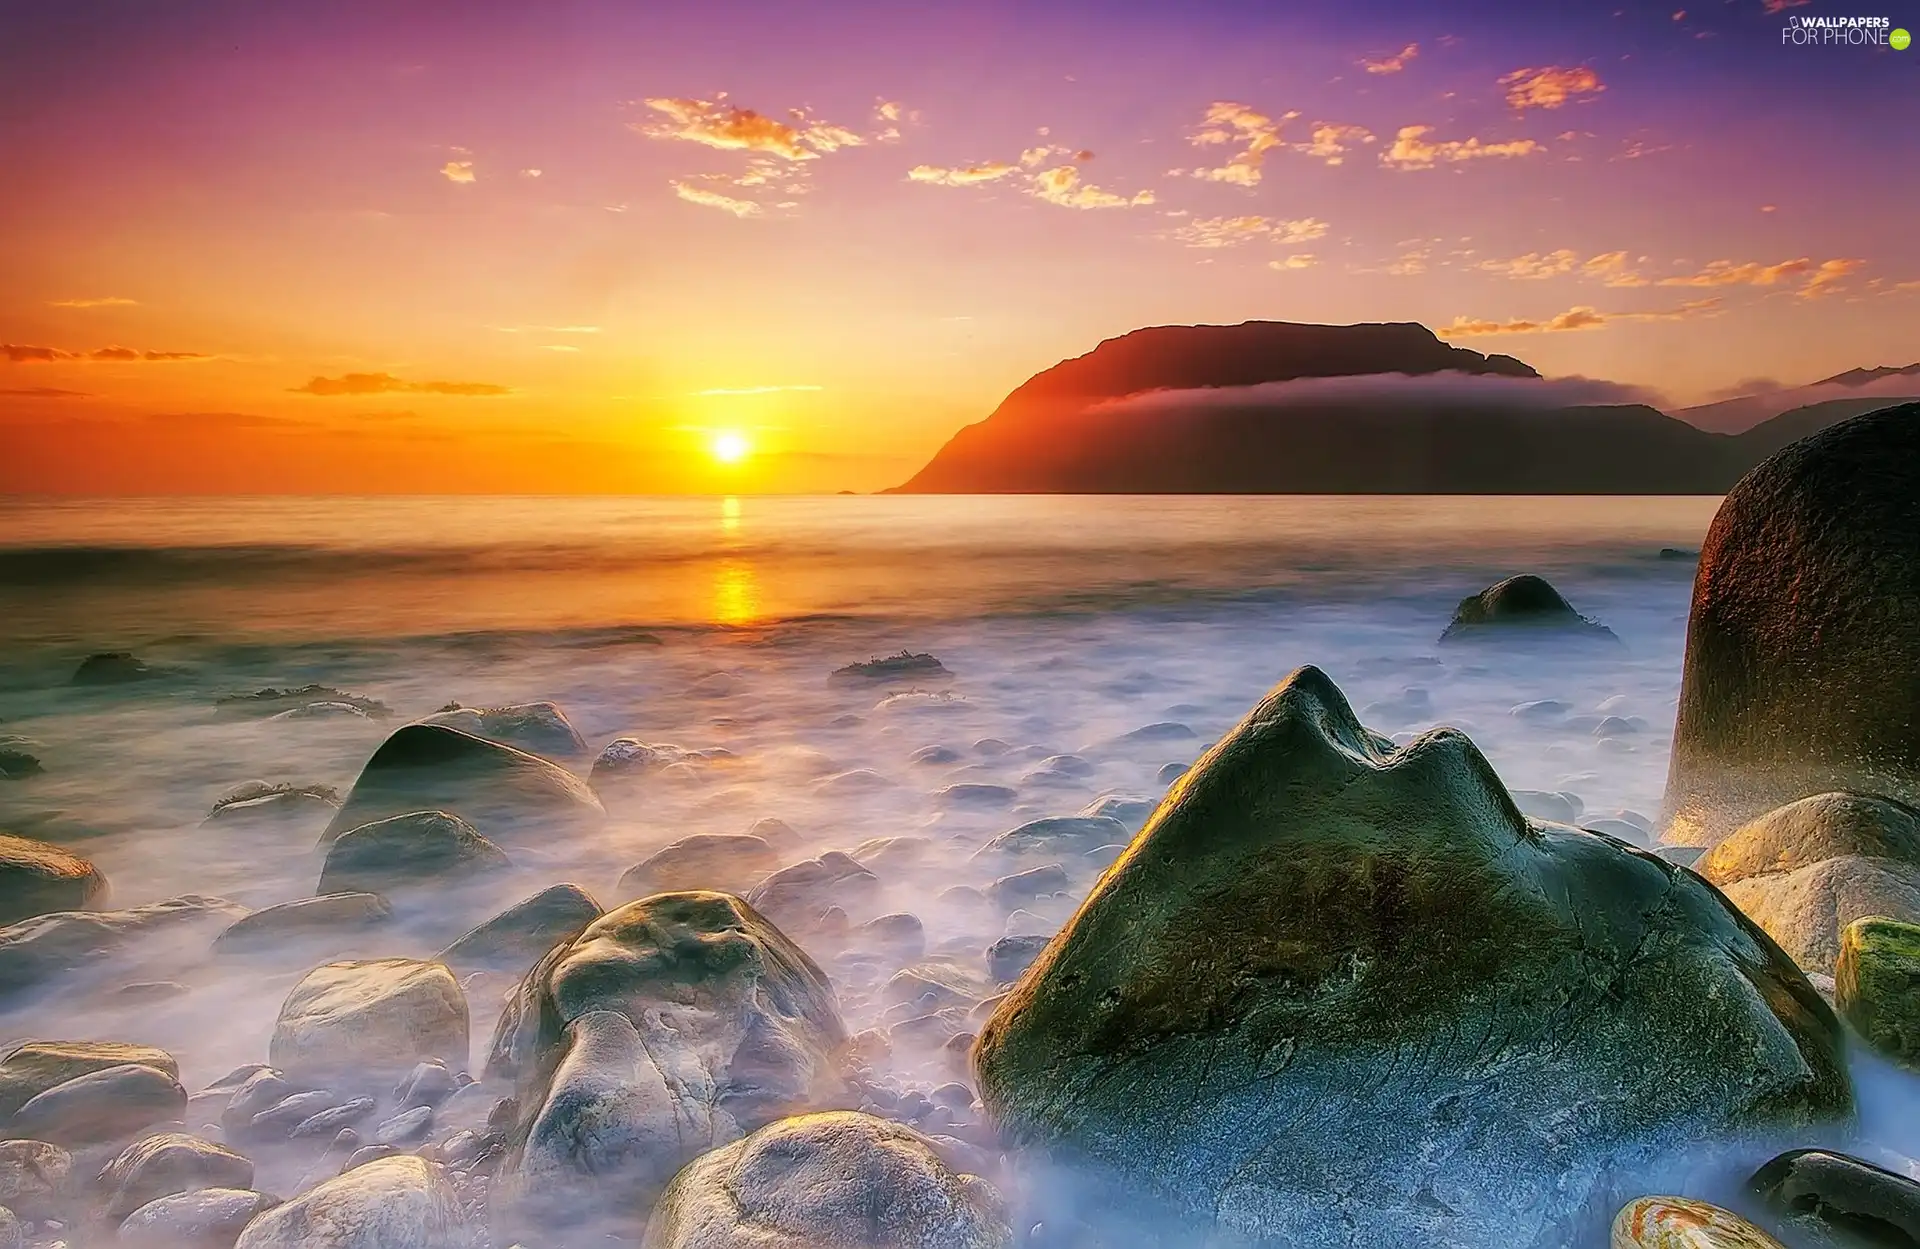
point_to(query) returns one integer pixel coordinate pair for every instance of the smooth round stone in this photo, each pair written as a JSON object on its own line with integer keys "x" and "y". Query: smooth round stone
{"x": 1680, "y": 1223}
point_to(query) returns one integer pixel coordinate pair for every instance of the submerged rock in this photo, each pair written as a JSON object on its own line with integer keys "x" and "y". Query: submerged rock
{"x": 37, "y": 879}
{"x": 516, "y": 938}
{"x": 340, "y": 917}
{"x": 537, "y": 728}
{"x": 1875, "y": 979}
{"x": 36, "y": 1066}
{"x": 1802, "y": 671}
{"x": 168, "y": 1163}
{"x": 502, "y": 792}
{"x": 36, "y": 951}
{"x": 1832, "y": 1197}
{"x": 385, "y": 1204}
{"x": 905, "y": 668}
{"x": 36, "y": 1178}
{"x": 116, "y": 668}
{"x": 669, "y": 1026}
{"x": 17, "y": 758}
{"x": 370, "y": 1021}
{"x": 1055, "y": 836}
{"x": 419, "y": 849}
{"x": 204, "y": 1218}
{"x": 796, "y": 896}
{"x": 720, "y": 862}
{"x": 844, "y": 1180}
{"x": 1682, "y": 1223}
{"x": 1518, "y": 607}
{"x": 257, "y": 801}
{"x": 274, "y": 701}
{"x": 1805, "y": 910}
{"x": 1314, "y": 912}
{"x": 101, "y": 1106}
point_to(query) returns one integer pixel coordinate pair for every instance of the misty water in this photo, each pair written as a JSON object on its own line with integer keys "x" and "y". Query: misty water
{"x": 1068, "y": 625}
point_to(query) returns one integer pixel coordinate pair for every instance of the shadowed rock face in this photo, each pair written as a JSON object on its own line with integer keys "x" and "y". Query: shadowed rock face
{"x": 1338, "y": 993}
{"x": 36, "y": 879}
{"x": 1522, "y": 603}
{"x": 1803, "y": 648}
{"x": 506, "y": 794}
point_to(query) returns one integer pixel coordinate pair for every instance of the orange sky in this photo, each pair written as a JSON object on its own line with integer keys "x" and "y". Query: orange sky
{"x": 261, "y": 248}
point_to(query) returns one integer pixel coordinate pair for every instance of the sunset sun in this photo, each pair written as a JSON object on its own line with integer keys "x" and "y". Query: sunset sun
{"x": 730, "y": 447}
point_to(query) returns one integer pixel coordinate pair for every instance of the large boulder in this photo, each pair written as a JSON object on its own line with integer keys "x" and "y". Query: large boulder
{"x": 796, "y": 896}
{"x": 721, "y": 862}
{"x": 106, "y": 1105}
{"x": 36, "y": 878}
{"x": 517, "y": 937}
{"x": 369, "y": 1022}
{"x": 1339, "y": 992}
{"x": 537, "y": 728}
{"x": 204, "y": 1218}
{"x": 828, "y": 1181}
{"x": 31, "y": 1069}
{"x": 168, "y": 1163}
{"x": 419, "y": 849}
{"x": 671, "y": 1025}
{"x": 398, "y": 1202}
{"x": 1802, "y": 671}
{"x": 36, "y": 951}
{"x": 1806, "y": 910}
{"x": 1520, "y": 607}
{"x": 1824, "y": 826}
{"x": 505, "y": 793}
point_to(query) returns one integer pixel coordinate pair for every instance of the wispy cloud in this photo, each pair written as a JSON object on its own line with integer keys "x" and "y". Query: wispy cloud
{"x": 713, "y": 199}
{"x": 105, "y": 301}
{"x": 387, "y": 383}
{"x": 21, "y": 353}
{"x": 1749, "y": 273}
{"x": 42, "y": 392}
{"x": 1576, "y": 318}
{"x": 1298, "y": 260}
{"x": 1828, "y": 277}
{"x": 1227, "y": 122}
{"x": 1332, "y": 141}
{"x": 1611, "y": 268}
{"x": 718, "y": 124}
{"x": 460, "y": 171}
{"x": 1413, "y": 150}
{"x": 1062, "y": 185}
{"x": 530, "y": 173}
{"x": 963, "y": 175}
{"x": 1212, "y": 232}
{"x": 1534, "y": 265}
{"x": 1550, "y": 87}
{"x": 1392, "y": 64}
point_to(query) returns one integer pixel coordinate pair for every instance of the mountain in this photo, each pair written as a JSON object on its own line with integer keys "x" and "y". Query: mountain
{"x": 1281, "y": 408}
{"x": 1866, "y": 389}
{"x": 1861, "y": 377}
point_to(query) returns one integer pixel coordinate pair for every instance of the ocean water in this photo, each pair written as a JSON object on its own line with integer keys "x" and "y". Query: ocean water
{"x": 714, "y": 623}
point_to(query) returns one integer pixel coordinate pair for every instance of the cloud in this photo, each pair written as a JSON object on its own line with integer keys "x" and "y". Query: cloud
{"x": 1577, "y": 318}
{"x": 1479, "y": 390}
{"x": 1611, "y": 269}
{"x": 718, "y": 124}
{"x": 1534, "y": 265}
{"x": 1331, "y": 141}
{"x": 1232, "y": 231}
{"x": 1827, "y": 277}
{"x": 105, "y": 301}
{"x": 20, "y": 353}
{"x": 887, "y": 110}
{"x": 1299, "y": 260}
{"x": 1412, "y": 150}
{"x": 713, "y": 199}
{"x": 751, "y": 390}
{"x": 530, "y": 173}
{"x": 1392, "y": 64}
{"x": 42, "y": 392}
{"x": 1227, "y": 122}
{"x": 387, "y": 383}
{"x": 457, "y": 171}
{"x": 1752, "y": 273}
{"x": 968, "y": 175}
{"x": 1550, "y": 87}
{"x": 1062, "y": 186}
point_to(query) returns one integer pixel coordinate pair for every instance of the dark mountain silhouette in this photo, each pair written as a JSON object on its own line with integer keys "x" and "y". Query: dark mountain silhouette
{"x": 1094, "y": 424}
{"x": 1860, "y": 377}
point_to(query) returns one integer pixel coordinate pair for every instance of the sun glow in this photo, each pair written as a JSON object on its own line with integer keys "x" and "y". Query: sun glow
{"x": 730, "y": 447}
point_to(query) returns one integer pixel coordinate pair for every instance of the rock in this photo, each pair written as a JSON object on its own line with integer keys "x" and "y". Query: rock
{"x": 1682, "y": 1223}
{"x": 257, "y": 802}
{"x": 100, "y": 1106}
{"x": 1011, "y": 892}
{"x": 1836, "y": 1198}
{"x": 835, "y": 1181}
{"x": 1541, "y": 711}
{"x": 389, "y": 1203}
{"x": 13, "y": 1233}
{"x": 900, "y": 935}
{"x": 370, "y": 1153}
{"x": 505, "y": 794}
{"x": 515, "y": 939}
{"x": 17, "y": 760}
{"x": 1518, "y": 1000}
{"x": 1008, "y": 957}
{"x": 334, "y": 1121}
{"x": 1171, "y": 772}
{"x": 370, "y": 1020}
{"x": 1160, "y": 731}
{"x": 990, "y": 747}
{"x": 38, "y": 950}
{"x": 260, "y": 1091}
{"x": 1802, "y": 672}
{"x": 36, "y": 878}
{"x": 115, "y": 668}
{"x": 974, "y": 795}
{"x": 273, "y": 701}
{"x": 422, "y": 849}
{"x": 171, "y": 1162}
{"x": 934, "y": 984}
{"x": 31, "y": 1069}
{"x": 935, "y": 756}
{"x": 1518, "y": 607}
{"x": 405, "y": 1128}
{"x": 1876, "y": 985}
{"x": 1055, "y": 836}
{"x": 36, "y": 1178}
{"x": 428, "y": 1084}
{"x": 1824, "y": 826}
{"x": 630, "y": 759}
{"x": 1130, "y": 811}
{"x": 795, "y": 896}
{"x": 338, "y": 916}
{"x": 282, "y": 1117}
{"x": 721, "y": 862}
{"x": 774, "y": 832}
{"x": 1805, "y": 910}
{"x": 905, "y": 668}
{"x": 893, "y": 855}
{"x": 670, "y": 1025}
{"x": 206, "y": 1218}
{"x": 537, "y": 728}
{"x": 1558, "y": 808}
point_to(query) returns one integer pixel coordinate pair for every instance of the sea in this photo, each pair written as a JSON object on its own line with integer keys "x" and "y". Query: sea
{"x": 1067, "y": 623}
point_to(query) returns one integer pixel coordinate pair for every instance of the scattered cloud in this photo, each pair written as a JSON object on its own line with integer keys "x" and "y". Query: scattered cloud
{"x": 1550, "y": 87}
{"x": 1211, "y": 232}
{"x": 530, "y": 173}
{"x": 1751, "y": 273}
{"x": 460, "y": 171}
{"x": 42, "y": 392}
{"x": 1582, "y": 317}
{"x": 105, "y": 301}
{"x": 1332, "y": 141}
{"x": 1392, "y": 64}
{"x": 1611, "y": 269}
{"x": 713, "y": 199}
{"x": 887, "y": 110}
{"x": 387, "y": 383}
{"x": 1534, "y": 265}
{"x": 1413, "y": 150}
{"x": 1634, "y": 149}
{"x": 558, "y": 347}
{"x": 718, "y": 124}
{"x": 1228, "y": 123}
{"x": 1299, "y": 260}
{"x": 1409, "y": 263}
{"x": 1827, "y": 277}
{"x": 1061, "y": 185}
{"x": 967, "y": 175}
{"x": 20, "y": 353}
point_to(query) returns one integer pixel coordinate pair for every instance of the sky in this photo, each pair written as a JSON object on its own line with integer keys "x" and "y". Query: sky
{"x": 266, "y": 246}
